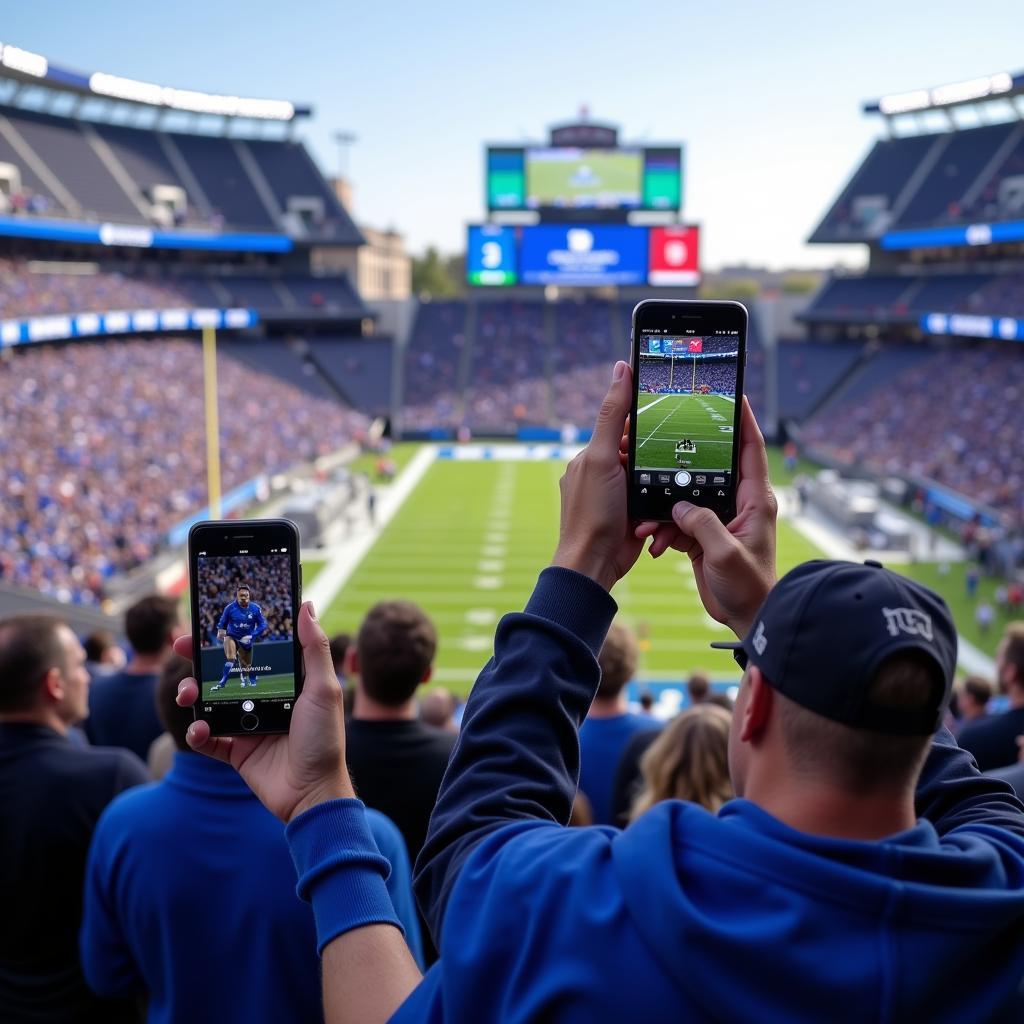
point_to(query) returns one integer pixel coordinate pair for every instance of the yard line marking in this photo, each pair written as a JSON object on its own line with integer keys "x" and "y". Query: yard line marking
{"x": 651, "y": 405}
{"x": 649, "y": 436}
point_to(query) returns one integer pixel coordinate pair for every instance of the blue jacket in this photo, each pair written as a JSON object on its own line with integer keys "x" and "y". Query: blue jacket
{"x": 688, "y": 915}
{"x": 239, "y": 621}
{"x": 190, "y": 897}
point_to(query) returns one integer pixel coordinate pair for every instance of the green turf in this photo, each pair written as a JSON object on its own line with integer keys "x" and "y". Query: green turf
{"x": 400, "y": 454}
{"x": 310, "y": 570}
{"x": 595, "y": 175}
{"x": 467, "y": 545}
{"x": 663, "y": 420}
{"x": 282, "y": 685}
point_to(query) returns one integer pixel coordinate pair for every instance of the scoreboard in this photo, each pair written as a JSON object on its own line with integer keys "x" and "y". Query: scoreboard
{"x": 583, "y": 254}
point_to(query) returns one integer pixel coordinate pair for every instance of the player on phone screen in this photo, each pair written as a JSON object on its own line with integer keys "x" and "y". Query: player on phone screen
{"x": 241, "y": 624}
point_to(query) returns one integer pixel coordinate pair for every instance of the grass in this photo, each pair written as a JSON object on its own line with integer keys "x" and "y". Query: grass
{"x": 281, "y": 685}
{"x": 400, "y": 454}
{"x": 664, "y": 420}
{"x": 467, "y": 546}
{"x": 311, "y": 569}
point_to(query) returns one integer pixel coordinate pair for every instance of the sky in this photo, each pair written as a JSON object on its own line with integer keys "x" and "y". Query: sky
{"x": 765, "y": 97}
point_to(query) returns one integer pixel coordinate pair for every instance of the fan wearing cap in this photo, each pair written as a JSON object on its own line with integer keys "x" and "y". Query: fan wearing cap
{"x": 866, "y": 872}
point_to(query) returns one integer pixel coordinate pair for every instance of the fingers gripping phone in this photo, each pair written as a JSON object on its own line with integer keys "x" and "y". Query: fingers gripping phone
{"x": 245, "y": 590}
{"x": 688, "y": 358}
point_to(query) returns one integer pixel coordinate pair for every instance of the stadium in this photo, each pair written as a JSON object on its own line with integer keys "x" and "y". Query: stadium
{"x": 175, "y": 266}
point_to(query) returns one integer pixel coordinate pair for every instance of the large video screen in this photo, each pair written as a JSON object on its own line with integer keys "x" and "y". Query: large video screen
{"x": 582, "y": 255}
{"x": 591, "y": 183}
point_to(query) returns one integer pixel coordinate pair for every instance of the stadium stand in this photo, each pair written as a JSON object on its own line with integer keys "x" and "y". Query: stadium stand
{"x": 92, "y": 481}
{"x": 809, "y": 371}
{"x": 359, "y": 368}
{"x": 436, "y": 345}
{"x": 949, "y": 416}
{"x": 283, "y": 360}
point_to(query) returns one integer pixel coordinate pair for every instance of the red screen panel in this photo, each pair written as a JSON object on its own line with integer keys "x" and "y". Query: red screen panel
{"x": 674, "y": 256}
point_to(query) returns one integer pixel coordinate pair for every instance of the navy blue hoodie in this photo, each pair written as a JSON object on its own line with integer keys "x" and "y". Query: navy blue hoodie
{"x": 687, "y": 915}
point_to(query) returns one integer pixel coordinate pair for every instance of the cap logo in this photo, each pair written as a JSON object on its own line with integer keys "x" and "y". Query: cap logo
{"x": 760, "y": 641}
{"x": 908, "y": 620}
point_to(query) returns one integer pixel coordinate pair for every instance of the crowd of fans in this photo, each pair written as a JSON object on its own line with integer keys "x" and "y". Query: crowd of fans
{"x": 953, "y": 419}
{"x": 660, "y": 374}
{"x": 102, "y": 452}
{"x": 268, "y": 578}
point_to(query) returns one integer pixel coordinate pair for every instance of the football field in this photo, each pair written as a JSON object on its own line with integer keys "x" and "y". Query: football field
{"x": 663, "y": 420}
{"x": 596, "y": 175}
{"x": 280, "y": 685}
{"x": 467, "y": 546}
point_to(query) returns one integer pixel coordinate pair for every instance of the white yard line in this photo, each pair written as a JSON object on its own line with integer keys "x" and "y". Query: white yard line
{"x": 345, "y": 556}
{"x": 654, "y": 431}
{"x": 651, "y": 405}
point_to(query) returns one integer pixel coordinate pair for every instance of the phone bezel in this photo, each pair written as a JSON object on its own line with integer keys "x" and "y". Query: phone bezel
{"x": 723, "y": 314}
{"x": 219, "y": 538}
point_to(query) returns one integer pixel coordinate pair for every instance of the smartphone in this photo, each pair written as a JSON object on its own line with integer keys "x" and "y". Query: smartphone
{"x": 688, "y": 358}
{"x": 245, "y": 588}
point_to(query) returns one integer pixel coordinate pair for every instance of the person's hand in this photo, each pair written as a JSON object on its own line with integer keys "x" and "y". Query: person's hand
{"x": 734, "y": 565}
{"x": 295, "y": 771}
{"x": 596, "y": 537}
{"x": 221, "y": 634}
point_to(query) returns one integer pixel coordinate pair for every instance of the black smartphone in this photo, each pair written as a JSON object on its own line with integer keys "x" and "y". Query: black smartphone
{"x": 688, "y": 360}
{"x": 245, "y": 589}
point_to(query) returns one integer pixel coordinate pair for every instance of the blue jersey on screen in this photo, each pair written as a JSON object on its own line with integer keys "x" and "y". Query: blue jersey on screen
{"x": 239, "y": 621}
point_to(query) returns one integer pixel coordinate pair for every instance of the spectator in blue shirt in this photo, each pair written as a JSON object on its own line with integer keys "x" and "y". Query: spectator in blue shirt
{"x": 190, "y": 895}
{"x": 609, "y": 724}
{"x": 866, "y": 870}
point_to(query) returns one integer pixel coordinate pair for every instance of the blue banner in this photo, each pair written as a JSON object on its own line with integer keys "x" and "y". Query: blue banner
{"x": 968, "y": 325}
{"x": 969, "y": 234}
{"x": 595, "y": 254}
{"x": 138, "y": 236}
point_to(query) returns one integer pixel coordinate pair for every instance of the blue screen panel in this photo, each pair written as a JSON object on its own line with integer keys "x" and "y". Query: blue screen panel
{"x": 577, "y": 255}
{"x": 491, "y": 255}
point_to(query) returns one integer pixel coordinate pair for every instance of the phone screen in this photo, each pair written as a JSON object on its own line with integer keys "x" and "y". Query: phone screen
{"x": 245, "y": 594}
{"x": 688, "y": 359}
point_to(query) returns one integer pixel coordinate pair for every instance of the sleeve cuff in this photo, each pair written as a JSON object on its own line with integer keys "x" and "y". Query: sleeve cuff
{"x": 574, "y": 602}
{"x": 341, "y": 871}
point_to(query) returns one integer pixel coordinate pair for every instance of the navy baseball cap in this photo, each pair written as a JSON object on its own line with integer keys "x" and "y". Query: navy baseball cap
{"x": 826, "y": 627}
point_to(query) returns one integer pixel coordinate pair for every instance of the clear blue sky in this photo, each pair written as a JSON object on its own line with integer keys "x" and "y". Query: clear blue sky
{"x": 765, "y": 96}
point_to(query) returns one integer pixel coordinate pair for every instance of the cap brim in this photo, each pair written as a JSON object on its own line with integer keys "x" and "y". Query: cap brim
{"x": 726, "y": 645}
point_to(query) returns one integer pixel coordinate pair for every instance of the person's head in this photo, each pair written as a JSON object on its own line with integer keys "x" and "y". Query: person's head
{"x": 394, "y": 651}
{"x": 1010, "y": 660}
{"x": 42, "y": 671}
{"x": 688, "y": 761}
{"x": 647, "y": 700}
{"x": 699, "y": 687}
{"x": 340, "y": 643}
{"x": 618, "y": 660}
{"x": 101, "y": 648}
{"x": 243, "y": 595}
{"x": 151, "y": 624}
{"x": 973, "y": 696}
{"x": 438, "y": 708}
{"x": 849, "y": 672}
{"x": 175, "y": 720}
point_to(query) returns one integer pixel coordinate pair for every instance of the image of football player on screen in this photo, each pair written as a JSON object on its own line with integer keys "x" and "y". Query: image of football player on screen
{"x": 241, "y": 624}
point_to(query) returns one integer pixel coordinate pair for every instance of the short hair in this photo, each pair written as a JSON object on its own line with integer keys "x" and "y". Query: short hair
{"x": 438, "y": 708}
{"x": 149, "y": 621}
{"x": 340, "y": 643}
{"x": 698, "y": 686}
{"x": 1013, "y": 636}
{"x": 241, "y": 587}
{"x": 979, "y": 689}
{"x": 617, "y": 659}
{"x": 396, "y": 645}
{"x": 689, "y": 760}
{"x": 97, "y": 642}
{"x": 175, "y": 719}
{"x": 864, "y": 760}
{"x": 30, "y": 646}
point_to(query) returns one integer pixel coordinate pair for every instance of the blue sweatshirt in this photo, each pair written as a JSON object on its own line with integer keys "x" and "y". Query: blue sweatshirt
{"x": 688, "y": 915}
{"x": 239, "y": 621}
{"x": 190, "y": 897}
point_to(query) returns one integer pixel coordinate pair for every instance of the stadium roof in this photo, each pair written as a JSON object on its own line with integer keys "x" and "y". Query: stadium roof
{"x": 1001, "y": 85}
{"x": 35, "y": 69}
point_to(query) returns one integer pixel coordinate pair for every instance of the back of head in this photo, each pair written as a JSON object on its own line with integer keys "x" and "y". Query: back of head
{"x": 978, "y": 690}
{"x": 438, "y": 708}
{"x": 174, "y": 719}
{"x": 396, "y": 646}
{"x": 858, "y": 760}
{"x": 340, "y": 643}
{"x": 699, "y": 686}
{"x": 1011, "y": 658}
{"x": 30, "y": 645}
{"x": 618, "y": 659}
{"x": 97, "y": 644}
{"x": 688, "y": 761}
{"x": 150, "y": 623}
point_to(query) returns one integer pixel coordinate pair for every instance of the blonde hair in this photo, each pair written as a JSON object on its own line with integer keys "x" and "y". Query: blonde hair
{"x": 688, "y": 761}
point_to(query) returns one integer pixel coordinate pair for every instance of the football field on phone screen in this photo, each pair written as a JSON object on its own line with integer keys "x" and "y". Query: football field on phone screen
{"x": 467, "y": 545}
{"x": 663, "y": 420}
{"x": 266, "y": 686}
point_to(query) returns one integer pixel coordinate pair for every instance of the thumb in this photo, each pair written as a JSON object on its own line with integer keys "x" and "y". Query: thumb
{"x": 316, "y": 650}
{"x": 706, "y": 528}
{"x": 614, "y": 410}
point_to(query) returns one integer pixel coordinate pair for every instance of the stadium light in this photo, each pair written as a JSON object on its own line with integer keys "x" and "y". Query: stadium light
{"x": 28, "y": 63}
{"x": 947, "y": 95}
